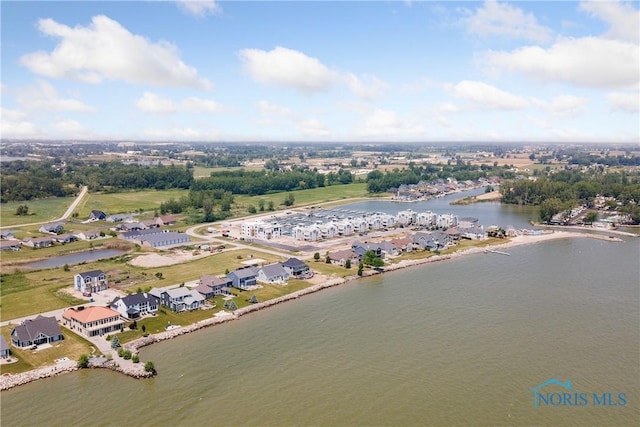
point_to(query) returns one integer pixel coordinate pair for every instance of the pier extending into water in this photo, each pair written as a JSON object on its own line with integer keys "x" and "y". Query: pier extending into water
{"x": 493, "y": 251}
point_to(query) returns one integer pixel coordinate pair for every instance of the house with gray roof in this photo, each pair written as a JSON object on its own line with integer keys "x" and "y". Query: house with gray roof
{"x": 53, "y": 228}
{"x": 41, "y": 330}
{"x": 273, "y": 273}
{"x": 97, "y": 215}
{"x": 181, "y": 299}
{"x": 9, "y": 245}
{"x": 92, "y": 281}
{"x": 297, "y": 268}
{"x": 38, "y": 242}
{"x": 210, "y": 286}
{"x": 135, "y": 306}
{"x": 5, "y": 351}
{"x": 243, "y": 278}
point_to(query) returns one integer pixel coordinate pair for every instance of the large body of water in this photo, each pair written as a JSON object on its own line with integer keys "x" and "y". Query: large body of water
{"x": 460, "y": 342}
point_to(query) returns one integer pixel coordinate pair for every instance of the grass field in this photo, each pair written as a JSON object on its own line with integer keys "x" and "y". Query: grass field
{"x": 72, "y": 347}
{"x": 39, "y": 211}
{"x": 305, "y": 197}
{"x": 126, "y": 202}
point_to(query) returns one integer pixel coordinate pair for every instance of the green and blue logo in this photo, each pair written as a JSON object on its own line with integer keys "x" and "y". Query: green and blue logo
{"x": 568, "y": 396}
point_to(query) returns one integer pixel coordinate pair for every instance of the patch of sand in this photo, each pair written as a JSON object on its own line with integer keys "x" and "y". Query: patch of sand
{"x": 161, "y": 260}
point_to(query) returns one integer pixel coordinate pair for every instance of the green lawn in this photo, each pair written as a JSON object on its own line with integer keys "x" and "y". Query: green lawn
{"x": 39, "y": 211}
{"x": 126, "y": 202}
{"x": 72, "y": 347}
{"x": 332, "y": 269}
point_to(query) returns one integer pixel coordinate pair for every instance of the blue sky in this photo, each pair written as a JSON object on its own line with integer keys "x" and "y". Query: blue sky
{"x": 321, "y": 71}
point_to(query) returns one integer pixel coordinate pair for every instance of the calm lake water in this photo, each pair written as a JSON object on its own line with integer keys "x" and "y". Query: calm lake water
{"x": 76, "y": 258}
{"x": 460, "y": 342}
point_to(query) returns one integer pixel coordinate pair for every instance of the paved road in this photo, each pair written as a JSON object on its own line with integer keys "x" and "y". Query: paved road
{"x": 66, "y": 215}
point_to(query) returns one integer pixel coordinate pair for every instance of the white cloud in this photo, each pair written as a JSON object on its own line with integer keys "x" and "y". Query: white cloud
{"x": 273, "y": 114}
{"x": 199, "y": 8}
{"x": 487, "y": 96}
{"x": 284, "y": 67}
{"x": 588, "y": 61}
{"x": 182, "y": 133}
{"x": 43, "y": 96}
{"x": 501, "y": 19}
{"x": 17, "y": 129}
{"x": 69, "y": 127}
{"x": 563, "y": 105}
{"x": 370, "y": 87}
{"x": 154, "y": 103}
{"x": 106, "y": 50}
{"x": 12, "y": 115}
{"x": 387, "y": 123}
{"x": 623, "y": 18}
{"x": 624, "y": 102}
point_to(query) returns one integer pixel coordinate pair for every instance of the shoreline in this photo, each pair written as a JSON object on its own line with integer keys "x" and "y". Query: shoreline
{"x": 9, "y": 381}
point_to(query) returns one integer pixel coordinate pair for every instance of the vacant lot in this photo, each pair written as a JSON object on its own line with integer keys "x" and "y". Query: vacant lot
{"x": 126, "y": 202}
{"x": 39, "y": 211}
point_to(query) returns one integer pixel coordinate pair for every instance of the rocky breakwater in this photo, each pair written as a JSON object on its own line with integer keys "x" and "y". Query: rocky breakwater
{"x": 9, "y": 381}
{"x": 126, "y": 367}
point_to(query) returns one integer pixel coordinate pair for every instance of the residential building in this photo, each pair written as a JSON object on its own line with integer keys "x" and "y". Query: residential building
{"x": 65, "y": 238}
{"x": 297, "y": 269}
{"x": 341, "y": 257}
{"x": 5, "y": 351}
{"x": 243, "y": 278}
{"x": 273, "y": 273}
{"x": 210, "y": 286}
{"x": 179, "y": 299}
{"x": 9, "y": 245}
{"x": 90, "y": 281}
{"x": 135, "y": 306}
{"x": 38, "y": 242}
{"x": 120, "y": 218}
{"x": 41, "y": 330}
{"x": 88, "y": 235}
{"x": 166, "y": 220}
{"x": 92, "y": 321}
{"x": 96, "y": 215}
{"x": 53, "y": 228}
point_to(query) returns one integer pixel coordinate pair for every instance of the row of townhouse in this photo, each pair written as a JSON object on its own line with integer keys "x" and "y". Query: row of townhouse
{"x": 261, "y": 230}
{"x": 155, "y": 238}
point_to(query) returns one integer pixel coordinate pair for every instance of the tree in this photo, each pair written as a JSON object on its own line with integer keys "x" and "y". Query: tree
{"x": 133, "y": 326}
{"x": 22, "y": 210}
{"x": 115, "y": 343}
{"x": 327, "y": 259}
{"x": 316, "y": 256}
{"x": 158, "y": 275}
{"x": 135, "y": 358}
{"x": 251, "y": 209}
{"x": 270, "y": 205}
{"x": 347, "y": 264}
{"x": 207, "y": 208}
{"x": 148, "y": 367}
{"x": 83, "y": 361}
{"x": 261, "y": 205}
{"x": 253, "y": 300}
{"x": 591, "y": 217}
{"x": 360, "y": 268}
{"x": 144, "y": 329}
{"x": 549, "y": 208}
{"x": 289, "y": 200}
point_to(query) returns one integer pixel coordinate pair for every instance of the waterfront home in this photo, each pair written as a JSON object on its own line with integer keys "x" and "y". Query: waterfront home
{"x": 159, "y": 240}
{"x": 405, "y": 244}
{"x": 38, "y": 242}
{"x": 243, "y": 278}
{"x": 92, "y": 321}
{"x": 428, "y": 241}
{"x": 166, "y": 220}
{"x": 362, "y": 248}
{"x": 65, "y": 238}
{"x": 210, "y": 286}
{"x": 446, "y": 221}
{"x": 96, "y": 215}
{"x": 407, "y": 217}
{"x": 473, "y": 233}
{"x": 179, "y": 299}
{"x": 273, "y": 273}
{"x": 5, "y": 351}
{"x": 341, "y": 257}
{"x": 89, "y": 282}
{"x": 9, "y": 245}
{"x": 88, "y": 235}
{"x": 135, "y": 306}
{"x": 388, "y": 249}
{"x": 41, "y": 330}
{"x": 53, "y": 228}
{"x": 297, "y": 269}
{"x": 453, "y": 234}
